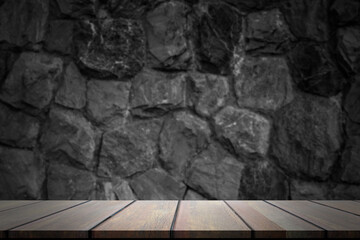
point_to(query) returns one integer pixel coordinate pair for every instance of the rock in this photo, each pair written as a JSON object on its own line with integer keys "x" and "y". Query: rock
{"x": 68, "y": 183}
{"x": 107, "y": 99}
{"x": 209, "y": 93}
{"x": 18, "y": 129}
{"x": 78, "y": 8}
{"x": 245, "y": 131}
{"x": 305, "y": 190}
{"x": 307, "y": 136}
{"x": 72, "y": 92}
{"x": 156, "y": 184}
{"x": 128, "y": 8}
{"x": 263, "y": 83}
{"x": 219, "y": 30}
{"x": 32, "y": 80}
{"x": 349, "y": 47}
{"x": 154, "y": 93}
{"x": 345, "y": 192}
{"x": 104, "y": 191}
{"x": 21, "y": 175}
{"x": 23, "y": 21}
{"x": 253, "y": 5}
{"x": 346, "y": 12}
{"x": 182, "y": 137}
{"x": 308, "y": 19}
{"x": 351, "y": 160}
{"x": 314, "y": 70}
{"x": 352, "y": 101}
{"x": 122, "y": 190}
{"x": 69, "y": 136}
{"x": 192, "y": 195}
{"x": 215, "y": 174}
{"x": 129, "y": 149}
{"x": 110, "y": 47}
{"x": 167, "y": 27}
{"x": 266, "y": 32}
{"x": 59, "y": 37}
{"x": 262, "y": 180}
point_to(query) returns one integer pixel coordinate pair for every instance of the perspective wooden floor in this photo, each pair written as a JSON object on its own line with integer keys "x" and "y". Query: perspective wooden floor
{"x": 179, "y": 219}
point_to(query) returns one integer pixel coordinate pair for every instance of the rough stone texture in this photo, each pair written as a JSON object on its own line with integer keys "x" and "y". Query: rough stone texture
{"x": 245, "y": 131}
{"x": 305, "y": 190}
{"x": 130, "y": 149}
{"x": 23, "y": 21}
{"x": 72, "y": 92}
{"x": 262, "y": 180}
{"x": 351, "y": 160}
{"x": 267, "y": 32}
{"x": 307, "y": 136}
{"x": 69, "y": 137}
{"x": 182, "y": 137}
{"x": 314, "y": 70}
{"x": 345, "y": 192}
{"x": 209, "y": 93}
{"x": 21, "y": 174}
{"x": 192, "y": 195}
{"x": 107, "y": 99}
{"x": 346, "y": 11}
{"x": 352, "y": 101}
{"x": 154, "y": 92}
{"x": 219, "y": 28}
{"x": 156, "y": 184}
{"x": 59, "y": 36}
{"x": 122, "y": 190}
{"x": 215, "y": 174}
{"x": 78, "y": 8}
{"x": 128, "y": 8}
{"x": 111, "y": 47}
{"x": 17, "y": 129}
{"x": 349, "y": 46}
{"x": 263, "y": 82}
{"x": 167, "y": 28}
{"x": 32, "y": 80}
{"x": 68, "y": 183}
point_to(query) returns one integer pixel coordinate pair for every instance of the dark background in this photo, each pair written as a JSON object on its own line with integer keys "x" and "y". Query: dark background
{"x": 136, "y": 99}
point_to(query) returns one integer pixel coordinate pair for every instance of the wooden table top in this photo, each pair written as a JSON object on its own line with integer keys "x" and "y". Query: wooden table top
{"x": 179, "y": 219}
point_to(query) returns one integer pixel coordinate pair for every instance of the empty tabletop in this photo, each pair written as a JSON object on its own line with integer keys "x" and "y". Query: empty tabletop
{"x": 74, "y": 222}
{"x": 348, "y": 206}
{"x": 6, "y": 205}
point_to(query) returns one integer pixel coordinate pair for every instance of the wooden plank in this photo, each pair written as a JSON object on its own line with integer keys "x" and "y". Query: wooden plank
{"x": 348, "y": 206}
{"x": 208, "y": 219}
{"x": 6, "y": 205}
{"x": 15, "y": 217}
{"x": 73, "y": 223}
{"x": 142, "y": 219}
{"x": 337, "y": 223}
{"x": 268, "y": 221}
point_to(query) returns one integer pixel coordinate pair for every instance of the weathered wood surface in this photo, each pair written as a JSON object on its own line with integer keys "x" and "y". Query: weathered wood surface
{"x": 75, "y": 222}
{"x": 347, "y": 206}
{"x": 6, "y": 205}
{"x": 141, "y": 219}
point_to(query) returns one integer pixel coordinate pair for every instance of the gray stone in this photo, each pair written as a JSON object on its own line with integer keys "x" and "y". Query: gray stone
{"x": 78, "y": 8}
{"x": 209, "y": 93}
{"x": 72, "y": 92}
{"x": 154, "y": 92}
{"x": 69, "y": 137}
{"x": 307, "y": 190}
{"x": 263, "y": 82}
{"x": 345, "y": 192}
{"x": 267, "y": 32}
{"x": 182, "y": 137}
{"x": 17, "y": 129}
{"x": 167, "y": 29}
{"x": 122, "y": 190}
{"x": 128, "y": 8}
{"x": 307, "y": 136}
{"x": 246, "y": 131}
{"x": 59, "y": 36}
{"x": 156, "y": 184}
{"x": 21, "y": 175}
{"x": 111, "y": 47}
{"x": 107, "y": 99}
{"x": 215, "y": 174}
{"x": 192, "y": 195}
{"x": 349, "y": 46}
{"x": 262, "y": 180}
{"x": 352, "y": 101}
{"x": 351, "y": 160}
{"x": 346, "y": 12}
{"x": 23, "y": 21}
{"x": 129, "y": 149}
{"x": 68, "y": 183}
{"x": 32, "y": 80}
{"x": 104, "y": 191}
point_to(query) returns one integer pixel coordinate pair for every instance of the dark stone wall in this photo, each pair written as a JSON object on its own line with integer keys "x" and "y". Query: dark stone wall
{"x": 192, "y": 99}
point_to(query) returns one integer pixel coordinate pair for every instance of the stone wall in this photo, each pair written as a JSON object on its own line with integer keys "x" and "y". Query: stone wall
{"x": 192, "y": 99}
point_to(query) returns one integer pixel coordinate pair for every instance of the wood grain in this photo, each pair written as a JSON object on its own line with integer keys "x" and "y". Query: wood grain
{"x": 348, "y": 206}
{"x": 270, "y": 222}
{"x": 208, "y": 219}
{"x": 75, "y": 222}
{"x": 6, "y": 205}
{"x": 15, "y": 217}
{"x": 142, "y": 219}
{"x": 337, "y": 223}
